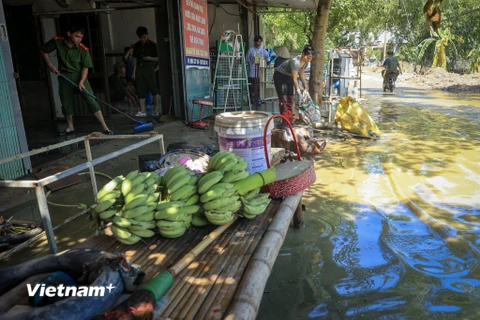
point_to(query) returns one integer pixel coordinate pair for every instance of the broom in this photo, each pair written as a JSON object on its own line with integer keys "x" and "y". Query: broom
{"x": 142, "y": 127}
{"x": 141, "y": 303}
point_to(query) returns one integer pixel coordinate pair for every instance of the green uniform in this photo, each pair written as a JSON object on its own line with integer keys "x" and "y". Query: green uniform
{"x": 71, "y": 61}
{"x": 145, "y": 72}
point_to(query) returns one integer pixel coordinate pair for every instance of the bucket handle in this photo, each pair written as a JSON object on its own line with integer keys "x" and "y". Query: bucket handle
{"x": 265, "y": 137}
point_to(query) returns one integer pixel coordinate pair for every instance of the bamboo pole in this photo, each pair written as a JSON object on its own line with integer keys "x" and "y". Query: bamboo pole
{"x": 216, "y": 270}
{"x": 298, "y": 217}
{"x": 246, "y": 302}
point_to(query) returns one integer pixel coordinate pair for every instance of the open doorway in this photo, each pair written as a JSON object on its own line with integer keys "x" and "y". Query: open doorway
{"x": 27, "y": 64}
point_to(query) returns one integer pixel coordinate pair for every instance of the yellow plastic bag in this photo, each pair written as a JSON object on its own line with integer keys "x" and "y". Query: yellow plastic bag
{"x": 354, "y": 118}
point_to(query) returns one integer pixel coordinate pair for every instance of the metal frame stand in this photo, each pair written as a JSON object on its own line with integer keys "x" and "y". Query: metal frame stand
{"x": 39, "y": 185}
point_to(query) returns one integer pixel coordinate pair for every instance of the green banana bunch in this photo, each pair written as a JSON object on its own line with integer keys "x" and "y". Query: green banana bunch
{"x": 219, "y": 217}
{"x": 254, "y": 203}
{"x": 110, "y": 186}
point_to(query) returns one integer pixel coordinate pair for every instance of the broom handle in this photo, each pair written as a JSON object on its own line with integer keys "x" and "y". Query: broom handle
{"x": 265, "y": 137}
{"x": 190, "y": 256}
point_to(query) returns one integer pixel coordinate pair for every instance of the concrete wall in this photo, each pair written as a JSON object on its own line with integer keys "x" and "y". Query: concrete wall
{"x": 119, "y": 30}
{"x": 223, "y": 21}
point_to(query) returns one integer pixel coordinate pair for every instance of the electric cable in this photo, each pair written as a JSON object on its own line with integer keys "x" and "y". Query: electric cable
{"x": 73, "y": 205}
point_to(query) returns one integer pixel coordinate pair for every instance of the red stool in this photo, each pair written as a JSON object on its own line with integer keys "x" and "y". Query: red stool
{"x": 200, "y": 124}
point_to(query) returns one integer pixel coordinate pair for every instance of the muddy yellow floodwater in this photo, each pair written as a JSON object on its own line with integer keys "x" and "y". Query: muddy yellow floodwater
{"x": 392, "y": 226}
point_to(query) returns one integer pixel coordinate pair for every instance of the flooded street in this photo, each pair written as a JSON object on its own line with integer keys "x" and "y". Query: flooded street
{"x": 392, "y": 226}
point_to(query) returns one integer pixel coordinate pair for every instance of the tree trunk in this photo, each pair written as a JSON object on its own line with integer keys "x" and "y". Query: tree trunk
{"x": 318, "y": 43}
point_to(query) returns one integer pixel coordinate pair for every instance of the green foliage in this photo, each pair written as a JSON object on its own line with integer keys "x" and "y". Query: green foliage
{"x": 442, "y": 39}
{"x": 357, "y": 23}
{"x": 474, "y": 56}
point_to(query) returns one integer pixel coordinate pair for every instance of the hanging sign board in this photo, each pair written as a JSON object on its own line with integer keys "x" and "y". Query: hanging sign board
{"x": 197, "y": 54}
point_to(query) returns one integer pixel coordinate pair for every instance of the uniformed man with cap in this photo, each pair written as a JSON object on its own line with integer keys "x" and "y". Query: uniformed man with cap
{"x": 146, "y": 59}
{"x": 74, "y": 60}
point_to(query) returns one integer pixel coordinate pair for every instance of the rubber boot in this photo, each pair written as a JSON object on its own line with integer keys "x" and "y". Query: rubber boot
{"x": 290, "y": 106}
{"x": 283, "y": 106}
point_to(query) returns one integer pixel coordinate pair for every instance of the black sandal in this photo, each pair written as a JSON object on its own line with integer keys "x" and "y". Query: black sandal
{"x": 65, "y": 133}
{"x": 108, "y": 132}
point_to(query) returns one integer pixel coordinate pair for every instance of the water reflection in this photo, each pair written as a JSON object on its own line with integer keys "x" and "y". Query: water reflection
{"x": 392, "y": 226}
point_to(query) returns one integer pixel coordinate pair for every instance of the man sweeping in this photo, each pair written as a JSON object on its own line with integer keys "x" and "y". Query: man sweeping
{"x": 74, "y": 60}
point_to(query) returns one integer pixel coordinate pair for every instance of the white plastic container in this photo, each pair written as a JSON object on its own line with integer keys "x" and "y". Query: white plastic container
{"x": 242, "y": 133}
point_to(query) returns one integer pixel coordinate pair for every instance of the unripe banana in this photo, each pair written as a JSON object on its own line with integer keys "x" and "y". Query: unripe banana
{"x": 179, "y": 183}
{"x": 212, "y": 194}
{"x": 219, "y": 203}
{"x": 104, "y": 205}
{"x": 151, "y": 189}
{"x": 153, "y": 198}
{"x": 212, "y": 162}
{"x": 257, "y": 200}
{"x": 132, "y": 240}
{"x": 223, "y": 158}
{"x": 139, "y": 200}
{"x": 111, "y": 195}
{"x": 224, "y": 185}
{"x": 136, "y": 190}
{"x": 143, "y": 233}
{"x": 175, "y": 177}
{"x": 229, "y": 193}
{"x": 110, "y": 186}
{"x": 171, "y": 225}
{"x": 120, "y": 233}
{"x": 179, "y": 217}
{"x": 121, "y": 222}
{"x": 173, "y": 233}
{"x": 150, "y": 180}
{"x": 165, "y": 213}
{"x": 173, "y": 170}
{"x": 184, "y": 192}
{"x": 190, "y": 209}
{"x": 233, "y": 176}
{"x": 248, "y": 216}
{"x": 198, "y": 221}
{"x": 193, "y": 180}
{"x": 133, "y": 213}
{"x": 252, "y": 194}
{"x": 258, "y": 209}
{"x": 146, "y": 217}
{"x": 228, "y": 165}
{"x": 192, "y": 200}
{"x": 131, "y": 175}
{"x": 241, "y": 165}
{"x": 128, "y": 185}
{"x": 139, "y": 225}
{"x": 219, "y": 217}
{"x": 107, "y": 214}
{"x": 209, "y": 180}
{"x": 168, "y": 204}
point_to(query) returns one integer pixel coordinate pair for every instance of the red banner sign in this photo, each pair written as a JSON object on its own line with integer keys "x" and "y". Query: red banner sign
{"x": 195, "y": 33}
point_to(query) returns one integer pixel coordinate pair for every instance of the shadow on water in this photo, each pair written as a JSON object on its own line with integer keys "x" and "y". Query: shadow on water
{"x": 392, "y": 226}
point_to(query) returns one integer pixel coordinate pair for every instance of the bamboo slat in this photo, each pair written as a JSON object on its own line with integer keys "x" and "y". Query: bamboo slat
{"x": 178, "y": 295}
{"x": 213, "y": 272}
{"x": 211, "y": 283}
{"x": 216, "y": 293}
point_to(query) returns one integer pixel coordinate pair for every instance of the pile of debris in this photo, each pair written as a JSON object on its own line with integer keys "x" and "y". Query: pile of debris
{"x": 440, "y": 79}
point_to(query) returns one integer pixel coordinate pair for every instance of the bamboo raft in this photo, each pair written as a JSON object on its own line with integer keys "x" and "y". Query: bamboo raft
{"x": 227, "y": 279}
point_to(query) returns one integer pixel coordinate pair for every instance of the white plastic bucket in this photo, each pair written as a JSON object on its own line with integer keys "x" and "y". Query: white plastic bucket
{"x": 242, "y": 133}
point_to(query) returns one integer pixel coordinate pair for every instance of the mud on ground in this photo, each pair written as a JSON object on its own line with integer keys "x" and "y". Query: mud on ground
{"x": 435, "y": 78}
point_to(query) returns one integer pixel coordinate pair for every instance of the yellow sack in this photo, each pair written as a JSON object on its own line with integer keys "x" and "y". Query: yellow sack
{"x": 354, "y": 118}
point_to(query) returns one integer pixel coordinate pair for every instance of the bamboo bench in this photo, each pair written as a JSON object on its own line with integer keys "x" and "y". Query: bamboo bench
{"x": 228, "y": 277}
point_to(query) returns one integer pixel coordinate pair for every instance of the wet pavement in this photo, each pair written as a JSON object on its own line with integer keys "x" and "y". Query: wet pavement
{"x": 392, "y": 226}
